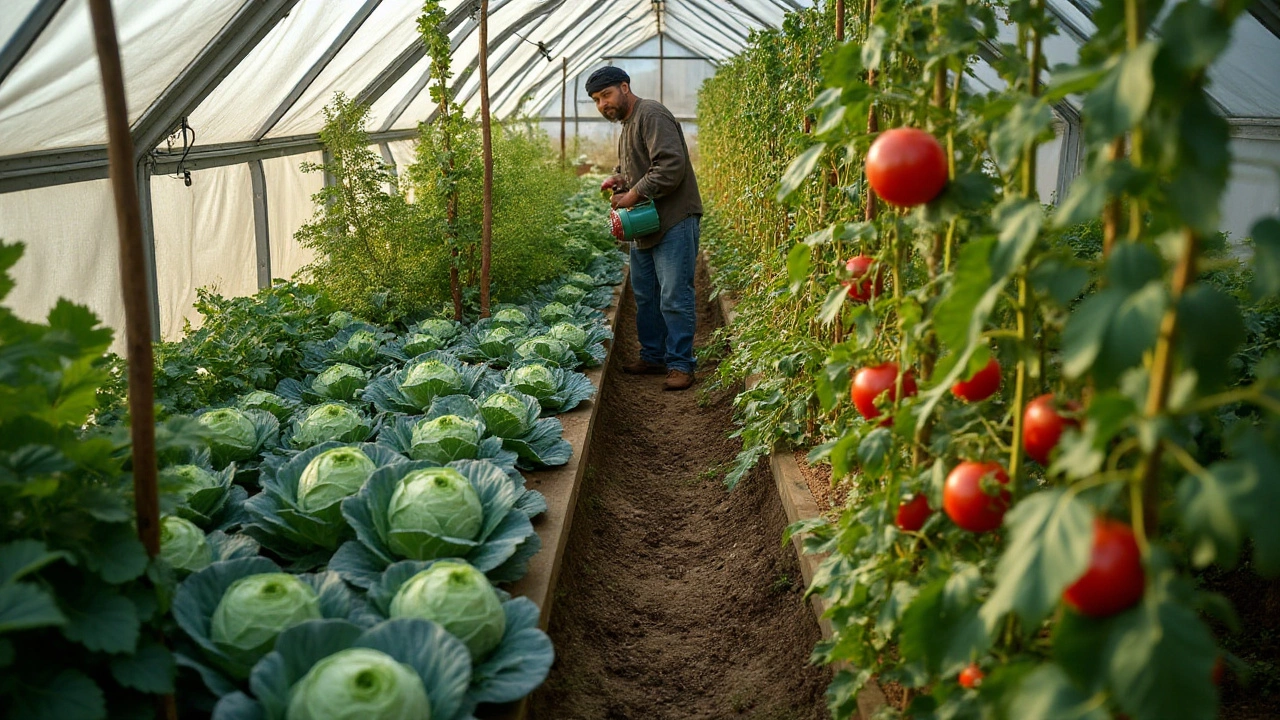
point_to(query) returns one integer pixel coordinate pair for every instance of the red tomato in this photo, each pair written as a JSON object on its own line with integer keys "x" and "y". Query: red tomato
{"x": 870, "y": 383}
{"x": 913, "y": 513}
{"x": 1042, "y": 427}
{"x": 865, "y": 281}
{"x": 1115, "y": 580}
{"x": 981, "y": 386}
{"x": 968, "y": 503}
{"x": 971, "y": 676}
{"x": 906, "y": 167}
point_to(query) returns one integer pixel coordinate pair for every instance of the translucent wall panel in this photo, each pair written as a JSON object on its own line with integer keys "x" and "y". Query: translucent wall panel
{"x": 1246, "y": 78}
{"x": 15, "y": 11}
{"x": 204, "y": 239}
{"x": 246, "y": 98}
{"x": 289, "y": 206}
{"x": 72, "y": 251}
{"x": 53, "y": 97}
{"x": 403, "y": 153}
{"x": 1254, "y": 189}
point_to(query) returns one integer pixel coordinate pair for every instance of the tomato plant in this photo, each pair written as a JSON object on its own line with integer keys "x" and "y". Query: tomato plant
{"x": 872, "y": 385}
{"x": 907, "y": 166}
{"x": 971, "y": 676}
{"x": 981, "y": 386}
{"x": 974, "y": 496}
{"x": 1114, "y": 580}
{"x": 913, "y": 513}
{"x": 865, "y": 280}
{"x": 1042, "y": 427}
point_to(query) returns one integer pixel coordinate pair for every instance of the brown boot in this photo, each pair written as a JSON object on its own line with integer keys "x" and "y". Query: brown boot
{"x": 642, "y": 367}
{"x": 678, "y": 380}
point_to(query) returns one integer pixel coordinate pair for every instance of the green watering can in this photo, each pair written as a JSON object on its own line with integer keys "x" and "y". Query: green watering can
{"x": 630, "y": 223}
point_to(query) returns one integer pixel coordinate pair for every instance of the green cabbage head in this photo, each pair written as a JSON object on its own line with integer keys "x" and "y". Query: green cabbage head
{"x": 361, "y": 347}
{"x": 582, "y": 280}
{"x": 191, "y": 479}
{"x": 438, "y": 501}
{"x": 233, "y": 436}
{"x": 505, "y": 416}
{"x": 569, "y": 334}
{"x": 429, "y": 379}
{"x": 438, "y": 328}
{"x": 445, "y": 439}
{"x": 257, "y": 608}
{"x": 419, "y": 343}
{"x": 555, "y": 312}
{"x": 460, "y": 599}
{"x": 510, "y": 317}
{"x": 331, "y": 476}
{"x": 570, "y": 294}
{"x": 340, "y": 382}
{"x": 268, "y": 401}
{"x": 331, "y": 421}
{"x": 183, "y": 545}
{"x": 535, "y": 379}
{"x": 543, "y": 346}
{"x": 359, "y": 684}
{"x": 341, "y": 319}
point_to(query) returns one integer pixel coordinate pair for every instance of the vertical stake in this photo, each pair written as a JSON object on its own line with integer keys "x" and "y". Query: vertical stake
{"x": 486, "y": 134}
{"x": 564, "y": 83}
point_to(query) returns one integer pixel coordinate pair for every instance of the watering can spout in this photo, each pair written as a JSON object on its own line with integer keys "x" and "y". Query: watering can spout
{"x": 633, "y": 222}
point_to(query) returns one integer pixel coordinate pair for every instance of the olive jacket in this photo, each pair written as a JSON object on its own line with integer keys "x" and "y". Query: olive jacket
{"x": 654, "y": 159}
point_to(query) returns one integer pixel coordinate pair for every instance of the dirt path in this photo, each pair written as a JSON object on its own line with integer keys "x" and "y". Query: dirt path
{"x": 677, "y": 600}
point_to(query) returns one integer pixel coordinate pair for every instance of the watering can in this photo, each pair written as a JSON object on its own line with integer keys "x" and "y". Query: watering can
{"x": 633, "y": 222}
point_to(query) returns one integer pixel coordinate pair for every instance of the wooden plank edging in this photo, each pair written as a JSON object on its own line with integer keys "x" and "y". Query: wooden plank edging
{"x": 799, "y": 505}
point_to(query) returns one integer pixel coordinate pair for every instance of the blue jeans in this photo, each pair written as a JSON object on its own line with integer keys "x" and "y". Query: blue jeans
{"x": 666, "y": 306}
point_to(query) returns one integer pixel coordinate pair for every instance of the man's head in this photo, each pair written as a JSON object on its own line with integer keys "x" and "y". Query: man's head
{"x": 610, "y": 87}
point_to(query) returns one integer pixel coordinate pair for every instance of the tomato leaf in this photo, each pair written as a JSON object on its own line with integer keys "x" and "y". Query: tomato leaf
{"x": 941, "y": 628}
{"x": 1086, "y": 327}
{"x": 1266, "y": 259}
{"x": 1051, "y": 533}
{"x": 1121, "y": 99}
{"x": 1259, "y": 451}
{"x": 831, "y": 306}
{"x": 874, "y": 449}
{"x": 799, "y": 262}
{"x": 1211, "y": 506}
{"x": 1048, "y": 693}
{"x": 798, "y": 171}
{"x": 1210, "y": 331}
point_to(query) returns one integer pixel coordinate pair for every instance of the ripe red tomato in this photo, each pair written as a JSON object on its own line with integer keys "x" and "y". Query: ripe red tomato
{"x": 872, "y": 382}
{"x": 1042, "y": 427}
{"x": 981, "y": 386}
{"x": 971, "y": 676}
{"x": 968, "y": 504}
{"x": 913, "y": 513}
{"x": 865, "y": 281}
{"x": 906, "y": 167}
{"x": 1115, "y": 580}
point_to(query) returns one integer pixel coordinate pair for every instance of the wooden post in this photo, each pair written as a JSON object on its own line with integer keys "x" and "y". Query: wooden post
{"x": 662, "y": 67}
{"x": 564, "y": 87}
{"x": 839, "y": 20}
{"x": 133, "y": 280}
{"x": 486, "y": 233}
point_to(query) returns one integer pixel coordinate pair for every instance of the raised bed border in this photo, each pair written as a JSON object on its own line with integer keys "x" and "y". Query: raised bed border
{"x": 560, "y": 486}
{"x": 799, "y": 505}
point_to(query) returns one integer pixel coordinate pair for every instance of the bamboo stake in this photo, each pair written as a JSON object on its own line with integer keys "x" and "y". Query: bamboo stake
{"x": 839, "y": 20}
{"x": 486, "y": 234}
{"x": 137, "y": 311}
{"x": 564, "y": 82}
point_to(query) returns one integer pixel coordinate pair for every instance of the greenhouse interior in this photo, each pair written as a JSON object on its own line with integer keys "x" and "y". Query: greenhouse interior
{"x": 333, "y": 335}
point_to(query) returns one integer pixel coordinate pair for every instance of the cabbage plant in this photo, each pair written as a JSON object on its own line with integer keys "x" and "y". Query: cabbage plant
{"x": 513, "y": 318}
{"x": 422, "y": 438}
{"x": 470, "y": 510}
{"x": 439, "y": 328}
{"x": 340, "y": 382}
{"x": 586, "y": 343}
{"x": 570, "y": 294}
{"x": 279, "y": 406}
{"x": 298, "y": 514}
{"x": 183, "y": 545}
{"x": 582, "y": 280}
{"x": 445, "y": 439}
{"x": 329, "y": 422}
{"x": 510, "y": 413}
{"x": 418, "y": 343}
{"x": 402, "y": 669}
{"x": 432, "y": 375}
{"x": 206, "y": 497}
{"x": 236, "y": 435}
{"x": 340, "y": 319}
{"x": 556, "y": 389}
{"x": 511, "y": 655}
{"x": 358, "y": 344}
{"x": 556, "y": 312}
{"x": 232, "y": 611}
{"x": 549, "y": 350}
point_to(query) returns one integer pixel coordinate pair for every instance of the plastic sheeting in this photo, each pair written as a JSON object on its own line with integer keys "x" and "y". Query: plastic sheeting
{"x": 72, "y": 251}
{"x": 289, "y": 207}
{"x": 204, "y": 239}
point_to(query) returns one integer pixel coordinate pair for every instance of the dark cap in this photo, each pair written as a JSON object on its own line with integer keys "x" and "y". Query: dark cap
{"x": 604, "y": 77}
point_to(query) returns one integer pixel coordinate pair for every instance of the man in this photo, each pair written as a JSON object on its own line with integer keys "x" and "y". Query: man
{"x": 654, "y": 165}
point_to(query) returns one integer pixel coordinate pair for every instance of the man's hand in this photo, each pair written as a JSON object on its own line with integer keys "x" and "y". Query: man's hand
{"x": 630, "y": 198}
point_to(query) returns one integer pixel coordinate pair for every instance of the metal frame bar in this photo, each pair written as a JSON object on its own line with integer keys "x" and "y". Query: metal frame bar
{"x": 398, "y": 111}
{"x": 724, "y": 29}
{"x": 27, "y": 34}
{"x": 230, "y": 46}
{"x": 587, "y": 55}
{"x": 410, "y": 56}
{"x": 508, "y": 34}
{"x": 1267, "y": 12}
{"x": 148, "y": 245}
{"x": 261, "y": 224}
{"x": 348, "y": 31}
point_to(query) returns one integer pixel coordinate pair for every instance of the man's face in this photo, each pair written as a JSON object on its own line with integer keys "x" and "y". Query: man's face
{"x": 612, "y": 101}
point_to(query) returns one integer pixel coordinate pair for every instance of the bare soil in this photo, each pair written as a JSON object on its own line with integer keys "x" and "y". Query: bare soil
{"x": 818, "y": 478}
{"x": 677, "y": 599}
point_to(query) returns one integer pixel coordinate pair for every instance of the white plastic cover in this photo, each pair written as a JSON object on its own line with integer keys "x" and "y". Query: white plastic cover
{"x": 289, "y": 206}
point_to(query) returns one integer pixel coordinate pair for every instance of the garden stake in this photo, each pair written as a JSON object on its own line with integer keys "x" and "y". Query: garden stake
{"x": 486, "y": 232}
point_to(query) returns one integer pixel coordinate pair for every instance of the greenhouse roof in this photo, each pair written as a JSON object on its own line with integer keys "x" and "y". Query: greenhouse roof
{"x": 251, "y": 76}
